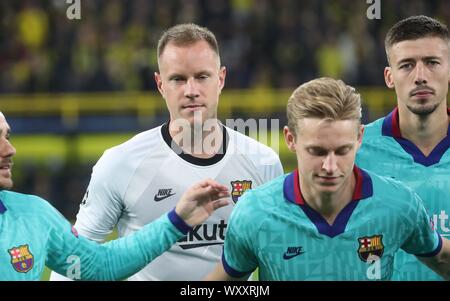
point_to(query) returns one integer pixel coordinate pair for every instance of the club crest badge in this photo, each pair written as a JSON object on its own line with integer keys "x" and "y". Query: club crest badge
{"x": 369, "y": 246}
{"x": 239, "y": 187}
{"x": 21, "y": 258}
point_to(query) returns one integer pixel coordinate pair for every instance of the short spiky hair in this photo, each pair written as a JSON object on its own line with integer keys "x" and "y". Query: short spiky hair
{"x": 186, "y": 34}
{"x": 414, "y": 28}
{"x": 323, "y": 98}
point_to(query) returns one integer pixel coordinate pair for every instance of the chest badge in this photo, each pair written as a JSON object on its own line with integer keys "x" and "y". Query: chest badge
{"x": 21, "y": 258}
{"x": 369, "y": 246}
{"x": 239, "y": 187}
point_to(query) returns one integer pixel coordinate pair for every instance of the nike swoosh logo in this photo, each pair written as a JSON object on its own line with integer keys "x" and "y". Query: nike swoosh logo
{"x": 285, "y": 256}
{"x": 158, "y": 199}
{"x": 192, "y": 246}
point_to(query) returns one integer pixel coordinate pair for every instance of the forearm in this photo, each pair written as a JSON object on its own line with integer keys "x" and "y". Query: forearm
{"x": 441, "y": 262}
{"x": 116, "y": 259}
{"x": 443, "y": 268}
{"x": 126, "y": 256}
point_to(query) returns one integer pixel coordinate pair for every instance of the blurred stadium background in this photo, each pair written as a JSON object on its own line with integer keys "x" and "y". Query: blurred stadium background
{"x": 72, "y": 88}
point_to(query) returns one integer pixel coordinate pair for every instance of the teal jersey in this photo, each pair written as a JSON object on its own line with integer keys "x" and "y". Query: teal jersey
{"x": 386, "y": 153}
{"x": 273, "y": 228}
{"x": 34, "y": 234}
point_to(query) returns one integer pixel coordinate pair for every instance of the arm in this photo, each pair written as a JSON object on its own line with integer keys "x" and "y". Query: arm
{"x": 441, "y": 262}
{"x": 123, "y": 257}
{"x": 102, "y": 203}
{"x": 239, "y": 259}
{"x": 424, "y": 241}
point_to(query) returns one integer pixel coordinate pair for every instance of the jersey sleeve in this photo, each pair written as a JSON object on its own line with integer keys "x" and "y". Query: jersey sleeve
{"x": 238, "y": 258}
{"x": 423, "y": 240}
{"x": 102, "y": 204}
{"x": 79, "y": 258}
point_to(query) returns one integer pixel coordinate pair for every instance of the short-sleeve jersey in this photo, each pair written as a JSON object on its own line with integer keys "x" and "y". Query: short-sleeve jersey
{"x": 133, "y": 183}
{"x": 288, "y": 240}
{"x": 385, "y": 152}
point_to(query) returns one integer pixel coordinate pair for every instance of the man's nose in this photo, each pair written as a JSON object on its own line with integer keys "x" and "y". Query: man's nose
{"x": 420, "y": 77}
{"x": 329, "y": 163}
{"x": 7, "y": 149}
{"x": 191, "y": 88}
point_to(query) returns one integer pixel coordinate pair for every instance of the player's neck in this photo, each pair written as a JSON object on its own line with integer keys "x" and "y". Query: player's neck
{"x": 424, "y": 131}
{"x": 198, "y": 141}
{"x": 329, "y": 205}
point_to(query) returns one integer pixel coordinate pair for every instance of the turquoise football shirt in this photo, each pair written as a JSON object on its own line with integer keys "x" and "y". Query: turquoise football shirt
{"x": 273, "y": 228}
{"x": 385, "y": 152}
{"x": 34, "y": 234}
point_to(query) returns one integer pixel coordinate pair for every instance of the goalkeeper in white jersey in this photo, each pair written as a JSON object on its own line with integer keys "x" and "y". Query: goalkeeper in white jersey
{"x": 134, "y": 183}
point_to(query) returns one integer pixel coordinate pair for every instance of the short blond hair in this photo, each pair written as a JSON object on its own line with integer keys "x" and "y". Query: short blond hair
{"x": 187, "y": 34}
{"x": 323, "y": 98}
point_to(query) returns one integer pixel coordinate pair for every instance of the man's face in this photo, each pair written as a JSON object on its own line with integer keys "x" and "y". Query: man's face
{"x": 420, "y": 73}
{"x": 190, "y": 80}
{"x": 7, "y": 151}
{"x": 325, "y": 152}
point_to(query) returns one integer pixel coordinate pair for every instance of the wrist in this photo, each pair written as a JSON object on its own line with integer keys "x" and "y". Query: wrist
{"x": 178, "y": 222}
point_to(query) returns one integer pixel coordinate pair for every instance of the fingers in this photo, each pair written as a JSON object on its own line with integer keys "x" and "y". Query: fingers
{"x": 209, "y": 188}
{"x": 223, "y": 194}
{"x": 211, "y": 183}
{"x": 208, "y": 192}
{"x": 198, "y": 202}
{"x": 220, "y": 203}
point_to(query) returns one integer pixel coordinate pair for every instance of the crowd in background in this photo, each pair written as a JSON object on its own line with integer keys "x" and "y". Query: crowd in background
{"x": 263, "y": 43}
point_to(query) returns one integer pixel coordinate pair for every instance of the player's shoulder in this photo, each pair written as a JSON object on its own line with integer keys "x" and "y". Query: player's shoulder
{"x": 23, "y": 203}
{"x": 142, "y": 141}
{"x": 251, "y": 148}
{"x": 374, "y": 142}
{"x": 374, "y": 129}
{"x": 264, "y": 195}
{"x": 239, "y": 139}
{"x": 258, "y": 204}
{"x": 132, "y": 151}
{"x": 391, "y": 191}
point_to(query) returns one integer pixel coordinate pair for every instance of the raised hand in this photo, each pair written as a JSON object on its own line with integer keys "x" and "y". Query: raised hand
{"x": 200, "y": 201}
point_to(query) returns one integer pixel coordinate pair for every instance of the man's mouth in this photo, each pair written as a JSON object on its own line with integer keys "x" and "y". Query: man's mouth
{"x": 192, "y": 106}
{"x": 5, "y": 169}
{"x": 328, "y": 178}
{"x": 6, "y": 166}
{"x": 422, "y": 92}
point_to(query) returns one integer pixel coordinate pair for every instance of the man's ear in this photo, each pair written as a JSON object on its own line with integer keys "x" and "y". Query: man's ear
{"x": 222, "y": 76}
{"x": 360, "y": 135}
{"x": 159, "y": 84}
{"x": 449, "y": 75}
{"x": 388, "y": 78}
{"x": 289, "y": 137}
